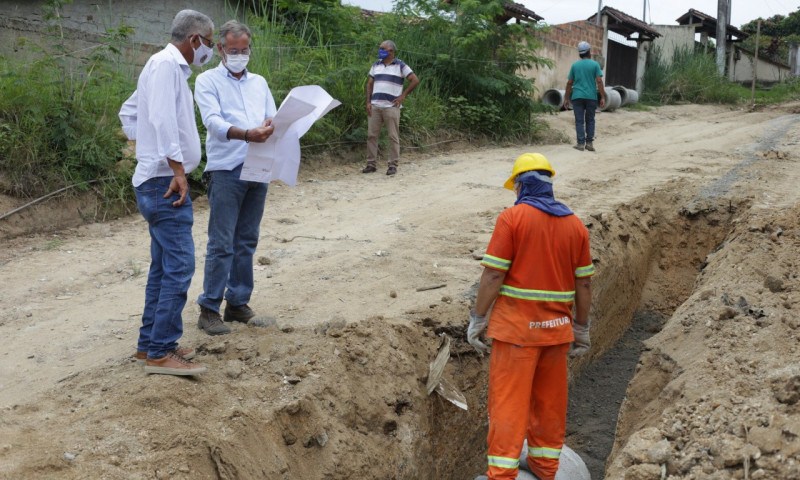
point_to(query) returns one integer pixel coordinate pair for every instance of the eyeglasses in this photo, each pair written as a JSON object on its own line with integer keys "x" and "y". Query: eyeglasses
{"x": 210, "y": 42}
{"x": 236, "y": 51}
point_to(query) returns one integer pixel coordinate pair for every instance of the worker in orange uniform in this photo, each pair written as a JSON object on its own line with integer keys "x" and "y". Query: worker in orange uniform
{"x": 537, "y": 265}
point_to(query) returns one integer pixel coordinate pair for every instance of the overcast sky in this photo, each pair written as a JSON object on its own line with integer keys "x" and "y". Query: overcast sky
{"x": 661, "y": 12}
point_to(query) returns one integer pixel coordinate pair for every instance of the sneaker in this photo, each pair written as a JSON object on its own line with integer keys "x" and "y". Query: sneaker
{"x": 185, "y": 352}
{"x": 589, "y": 146}
{"x": 211, "y": 323}
{"x": 173, "y": 364}
{"x": 579, "y": 146}
{"x": 369, "y": 169}
{"x": 391, "y": 171}
{"x": 242, "y": 313}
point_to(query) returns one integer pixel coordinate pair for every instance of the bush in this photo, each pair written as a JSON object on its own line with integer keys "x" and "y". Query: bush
{"x": 690, "y": 77}
{"x": 58, "y": 121}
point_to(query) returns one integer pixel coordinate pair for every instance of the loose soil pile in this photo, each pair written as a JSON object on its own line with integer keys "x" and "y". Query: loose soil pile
{"x": 693, "y": 213}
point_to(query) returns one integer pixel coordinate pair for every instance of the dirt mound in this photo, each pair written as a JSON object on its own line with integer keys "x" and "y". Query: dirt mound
{"x": 727, "y": 402}
{"x": 324, "y": 402}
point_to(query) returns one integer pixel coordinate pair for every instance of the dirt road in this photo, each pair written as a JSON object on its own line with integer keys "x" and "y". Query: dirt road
{"x": 335, "y": 387}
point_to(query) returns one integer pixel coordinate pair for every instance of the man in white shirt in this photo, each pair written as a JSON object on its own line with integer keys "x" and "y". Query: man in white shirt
{"x": 237, "y": 108}
{"x": 160, "y": 117}
{"x": 385, "y": 96}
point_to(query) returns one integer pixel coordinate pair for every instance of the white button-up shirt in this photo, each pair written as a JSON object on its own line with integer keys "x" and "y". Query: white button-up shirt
{"x": 160, "y": 117}
{"x": 226, "y": 102}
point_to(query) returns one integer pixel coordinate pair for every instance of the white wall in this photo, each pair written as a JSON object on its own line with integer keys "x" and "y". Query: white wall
{"x": 545, "y": 78}
{"x": 767, "y": 72}
{"x": 673, "y": 38}
{"x": 85, "y": 21}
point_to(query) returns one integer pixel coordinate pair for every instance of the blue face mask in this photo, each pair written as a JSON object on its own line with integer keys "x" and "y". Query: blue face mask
{"x": 382, "y": 54}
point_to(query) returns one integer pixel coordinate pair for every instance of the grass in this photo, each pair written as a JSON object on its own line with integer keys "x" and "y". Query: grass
{"x": 691, "y": 76}
{"x": 779, "y": 93}
{"x": 53, "y": 244}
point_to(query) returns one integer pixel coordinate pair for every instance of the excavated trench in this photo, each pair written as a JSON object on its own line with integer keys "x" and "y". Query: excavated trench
{"x": 648, "y": 255}
{"x": 370, "y": 417}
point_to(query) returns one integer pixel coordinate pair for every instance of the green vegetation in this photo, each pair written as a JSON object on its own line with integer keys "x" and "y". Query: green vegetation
{"x": 779, "y": 93}
{"x": 691, "y": 77}
{"x": 58, "y": 120}
{"x": 777, "y": 33}
{"x": 58, "y": 115}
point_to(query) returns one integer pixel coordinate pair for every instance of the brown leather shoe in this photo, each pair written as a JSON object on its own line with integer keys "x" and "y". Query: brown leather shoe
{"x": 186, "y": 352}
{"x": 369, "y": 169}
{"x": 172, "y": 364}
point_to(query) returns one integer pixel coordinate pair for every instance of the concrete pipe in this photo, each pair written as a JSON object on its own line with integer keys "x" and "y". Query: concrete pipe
{"x": 613, "y": 100}
{"x": 570, "y": 465}
{"x": 521, "y": 475}
{"x": 554, "y": 98}
{"x": 628, "y": 96}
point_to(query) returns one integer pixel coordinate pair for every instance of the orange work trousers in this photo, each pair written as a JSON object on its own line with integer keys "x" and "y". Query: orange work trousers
{"x": 527, "y": 396}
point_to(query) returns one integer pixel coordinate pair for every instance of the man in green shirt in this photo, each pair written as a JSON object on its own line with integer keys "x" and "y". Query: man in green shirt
{"x": 584, "y": 84}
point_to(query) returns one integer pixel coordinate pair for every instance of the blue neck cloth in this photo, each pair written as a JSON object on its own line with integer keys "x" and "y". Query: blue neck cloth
{"x": 536, "y": 190}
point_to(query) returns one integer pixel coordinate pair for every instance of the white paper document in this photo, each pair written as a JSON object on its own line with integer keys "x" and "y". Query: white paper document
{"x": 279, "y": 157}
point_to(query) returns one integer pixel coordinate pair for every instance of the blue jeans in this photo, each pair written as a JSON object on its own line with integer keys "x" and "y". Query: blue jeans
{"x": 171, "y": 266}
{"x": 584, "y": 114}
{"x": 233, "y": 226}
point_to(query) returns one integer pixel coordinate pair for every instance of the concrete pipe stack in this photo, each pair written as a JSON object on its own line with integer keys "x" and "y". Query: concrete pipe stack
{"x": 627, "y": 96}
{"x": 613, "y": 100}
{"x": 616, "y": 97}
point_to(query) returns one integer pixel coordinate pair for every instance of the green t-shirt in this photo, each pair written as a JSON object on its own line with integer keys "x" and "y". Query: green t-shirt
{"x": 583, "y": 74}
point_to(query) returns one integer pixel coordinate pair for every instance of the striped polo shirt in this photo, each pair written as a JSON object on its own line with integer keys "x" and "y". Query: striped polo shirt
{"x": 388, "y": 81}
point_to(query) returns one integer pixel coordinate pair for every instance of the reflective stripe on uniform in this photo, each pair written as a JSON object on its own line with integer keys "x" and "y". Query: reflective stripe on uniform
{"x": 537, "y": 295}
{"x": 584, "y": 271}
{"x": 496, "y": 262}
{"x": 503, "y": 462}
{"x": 544, "y": 452}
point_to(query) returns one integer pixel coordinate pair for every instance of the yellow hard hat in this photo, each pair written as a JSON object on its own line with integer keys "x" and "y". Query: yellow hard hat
{"x": 526, "y": 163}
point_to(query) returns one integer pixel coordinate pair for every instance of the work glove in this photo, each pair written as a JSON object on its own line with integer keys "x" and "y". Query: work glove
{"x": 582, "y": 343}
{"x": 477, "y": 324}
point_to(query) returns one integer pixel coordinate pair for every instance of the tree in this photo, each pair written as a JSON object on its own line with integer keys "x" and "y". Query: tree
{"x": 777, "y": 32}
{"x": 464, "y": 36}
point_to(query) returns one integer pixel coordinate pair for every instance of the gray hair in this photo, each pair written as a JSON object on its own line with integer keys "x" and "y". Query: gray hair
{"x": 188, "y": 23}
{"x": 234, "y": 28}
{"x": 390, "y": 44}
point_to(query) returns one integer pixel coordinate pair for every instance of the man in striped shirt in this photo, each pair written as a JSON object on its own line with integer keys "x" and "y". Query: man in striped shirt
{"x": 385, "y": 96}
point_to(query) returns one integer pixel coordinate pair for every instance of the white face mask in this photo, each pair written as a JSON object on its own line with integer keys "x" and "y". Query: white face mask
{"x": 202, "y": 54}
{"x": 236, "y": 63}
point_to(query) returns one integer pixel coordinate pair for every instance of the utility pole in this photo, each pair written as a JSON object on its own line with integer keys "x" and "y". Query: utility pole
{"x": 722, "y": 30}
{"x": 755, "y": 65}
{"x": 599, "y": 8}
{"x": 644, "y": 12}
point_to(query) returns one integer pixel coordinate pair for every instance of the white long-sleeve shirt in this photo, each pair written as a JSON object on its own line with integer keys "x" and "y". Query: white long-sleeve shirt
{"x": 226, "y": 102}
{"x": 160, "y": 117}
